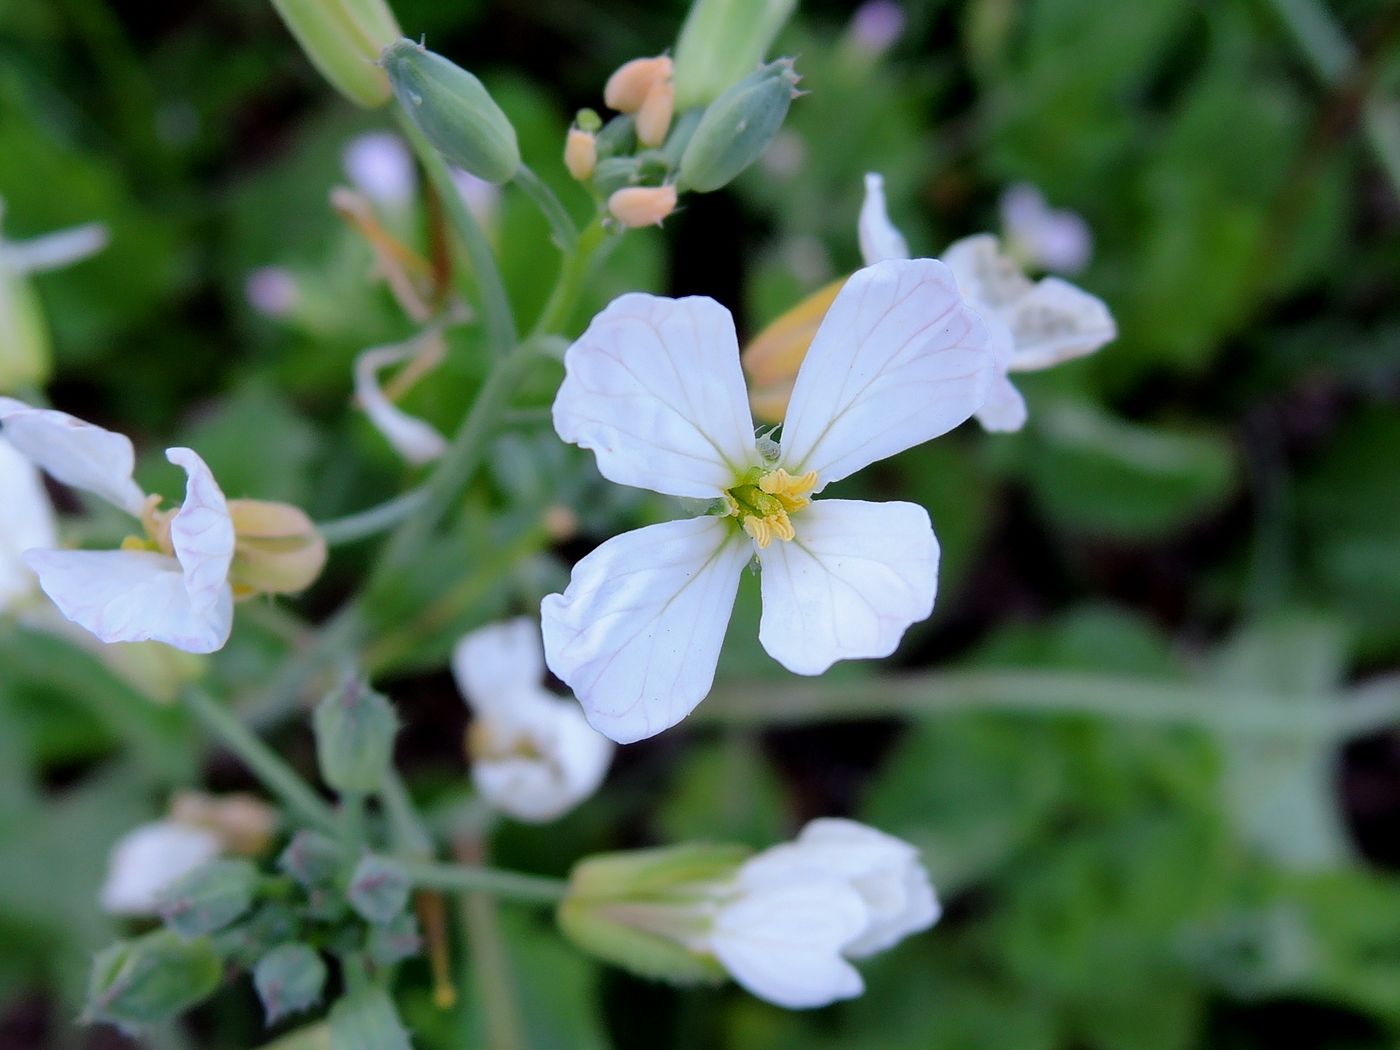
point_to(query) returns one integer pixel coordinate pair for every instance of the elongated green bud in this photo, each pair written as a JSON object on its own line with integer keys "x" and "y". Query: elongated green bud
{"x": 355, "y": 729}
{"x": 453, "y": 111}
{"x": 721, "y": 42}
{"x": 209, "y": 898}
{"x": 151, "y": 979}
{"x": 289, "y": 980}
{"x": 378, "y": 889}
{"x": 737, "y": 128}
{"x": 343, "y": 38}
{"x": 367, "y": 1020}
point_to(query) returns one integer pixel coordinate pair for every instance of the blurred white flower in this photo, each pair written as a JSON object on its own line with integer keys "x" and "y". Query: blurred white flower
{"x": 482, "y": 198}
{"x": 173, "y": 587}
{"x": 272, "y": 291}
{"x": 1034, "y": 324}
{"x": 26, "y": 522}
{"x": 149, "y": 858}
{"x": 654, "y": 388}
{"x": 785, "y": 155}
{"x": 414, "y": 439}
{"x": 1041, "y": 236}
{"x": 54, "y": 251}
{"x": 534, "y": 755}
{"x": 876, "y": 25}
{"x": 380, "y": 166}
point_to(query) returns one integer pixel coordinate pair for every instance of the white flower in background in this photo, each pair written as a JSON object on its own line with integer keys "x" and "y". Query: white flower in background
{"x": 482, "y": 198}
{"x": 654, "y": 388}
{"x": 172, "y": 587}
{"x": 534, "y": 755}
{"x": 26, "y": 521}
{"x": 1034, "y": 324}
{"x": 148, "y": 859}
{"x": 54, "y": 251}
{"x": 414, "y": 439}
{"x": 1041, "y": 236}
{"x": 876, "y": 26}
{"x": 379, "y": 165}
{"x": 272, "y": 291}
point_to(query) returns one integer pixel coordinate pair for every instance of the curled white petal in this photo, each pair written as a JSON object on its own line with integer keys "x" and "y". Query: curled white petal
{"x": 539, "y": 756}
{"x": 494, "y": 663}
{"x": 74, "y": 452}
{"x": 202, "y": 534}
{"x": 847, "y": 586}
{"x": 26, "y": 522}
{"x": 654, "y": 389}
{"x": 636, "y": 635}
{"x": 899, "y": 359}
{"x": 416, "y": 440}
{"x": 53, "y": 251}
{"x": 131, "y": 596}
{"x": 784, "y": 943}
{"x": 879, "y": 238}
{"x": 1005, "y": 408}
{"x": 149, "y": 858}
{"x": 1056, "y": 322}
{"x": 987, "y": 276}
{"x": 1050, "y": 238}
{"x": 380, "y": 166}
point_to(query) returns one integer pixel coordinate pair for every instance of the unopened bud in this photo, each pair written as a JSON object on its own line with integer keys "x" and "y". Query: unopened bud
{"x": 618, "y": 138}
{"x": 343, "y": 38}
{"x": 721, "y": 42}
{"x": 378, "y": 889}
{"x": 775, "y": 354}
{"x": 151, "y": 979}
{"x": 244, "y": 823}
{"x": 209, "y": 898}
{"x": 311, "y": 858}
{"x": 654, "y": 118}
{"x": 737, "y": 127}
{"x": 355, "y": 729}
{"x": 277, "y": 549}
{"x": 367, "y": 1019}
{"x": 629, "y": 86}
{"x": 453, "y": 111}
{"x": 642, "y": 205}
{"x": 616, "y": 173}
{"x": 580, "y": 153}
{"x": 289, "y": 979}
{"x": 394, "y": 941}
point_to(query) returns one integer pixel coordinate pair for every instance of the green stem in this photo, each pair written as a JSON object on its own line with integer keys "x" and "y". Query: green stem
{"x": 573, "y": 276}
{"x": 563, "y": 228}
{"x": 264, "y": 763}
{"x": 534, "y": 889}
{"x": 406, "y": 828}
{"x": 492, "y": 971}
{"x": 365, "y": 523}
{"x": 495, "y": 304}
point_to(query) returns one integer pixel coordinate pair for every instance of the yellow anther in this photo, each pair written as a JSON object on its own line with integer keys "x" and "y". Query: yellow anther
{"x": 763, "y": 503}
{"x": 157, "y": 525}
{"x": 135, "y": 543}
{"x": 791, "y": 490}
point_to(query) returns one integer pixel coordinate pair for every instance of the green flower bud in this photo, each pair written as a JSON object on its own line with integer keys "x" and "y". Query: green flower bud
{"x": 453, "y": 111}
{"x": 394, "y": 941}
{"x": 367, "y": 1020}
{"x": 209, "y": 898}
{"x": 648, "y": 910}
{"x": 616, "y": 173}
{"x": 25, "y": 356}
{"x": 289, "y": 979}
{"x": 618, "y": 137}
{"x": 737, "y": 128}
{"x": 355, "y": 729}
{"x": 681, "y": 134}
{"x": 721, "y": 42}
{"x": 151, "y": 979}
{"x": 343, "y": 38}
{"x": 267, "y": 927}
{"x": 311, "y": 858}
{"x": 379, "y": 889}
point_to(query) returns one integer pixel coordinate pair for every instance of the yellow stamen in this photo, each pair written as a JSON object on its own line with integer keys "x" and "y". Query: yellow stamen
{"x": 763, "y": 501}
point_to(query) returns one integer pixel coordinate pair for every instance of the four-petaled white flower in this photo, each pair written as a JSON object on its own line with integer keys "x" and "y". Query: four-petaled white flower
{"x": 149, "y": 858}
{"x": 803, "y": 909}
{"x": 1035, "y": 324}
{"x": 26, "y": 521}
{"x": 172, "y": 587}
{"x": 654, "y": 388}
{"x": 1041, "y": 236}
{"x": 534, "y": 755}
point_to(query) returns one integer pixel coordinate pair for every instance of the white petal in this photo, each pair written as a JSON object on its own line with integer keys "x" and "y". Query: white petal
{"x": 131, "y": 596}
{"x": 856, "y": 575}
{"x": 636, "y": 635}
{"x": 879, "y": 239}
{"x": 783, "y": 943}
{"x": 654, "y": 388}
{"x": 26, "y": 522}
{"x": 379, "y": 165}
{"x": 989, "y": 278}
{"x": 202, "y": 533}
{"x": 1054, "y": 322}
{"x": 53, "y": 251}
{"x": 1056, "y": 240}
{"x": 149, "y": 858}
{"x": 899, "y": 359}
{"x": 1005, "y": 408}
{"x": 548, "y": 758}
{"x": 494, "y": 663}
{"x": 76, "y": 453}
{"x": 414, "y": 439}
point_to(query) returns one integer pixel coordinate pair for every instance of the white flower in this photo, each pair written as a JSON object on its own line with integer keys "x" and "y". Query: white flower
{"x": 482, "y": 198}
{"x": 380, "y": 166}
{"x": 172, "y": 588}
{"x": 148, "y": 859}
{"x": 54, "y": 251}
{"x": 840, "y": 891}
{"x": 414, "y": 439}
{"x": 1044, "y": 236}
{"x": 534, "y": 756}
{"x": 26, "y": 521}
{"x": 876, "y": 26}
{"x": 654, "y": 388}
{"x": 1034, "y": 324}
{"x": 272, "y": 291}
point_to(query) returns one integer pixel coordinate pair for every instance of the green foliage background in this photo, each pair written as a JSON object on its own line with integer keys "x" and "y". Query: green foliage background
{"x": 1200, "y": 527}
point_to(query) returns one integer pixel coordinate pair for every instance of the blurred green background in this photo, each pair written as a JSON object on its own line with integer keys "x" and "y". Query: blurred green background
{"x": 1144, "y": 741}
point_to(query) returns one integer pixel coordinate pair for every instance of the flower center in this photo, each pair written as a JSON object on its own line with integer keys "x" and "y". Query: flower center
{"x": 763, "y": 499}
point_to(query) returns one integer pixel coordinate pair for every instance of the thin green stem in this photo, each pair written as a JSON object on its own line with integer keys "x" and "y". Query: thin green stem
{"x": 264, "y": 763}
{"x": 406, "y": 828}
{"x": 490, "y": 964}
{"x": 366, "y": 523}
{"x": 560, "y": 225}
{"x": 573, "y": 277}
{"x": 533, "y": 889}
{"x": 495, "y": 304}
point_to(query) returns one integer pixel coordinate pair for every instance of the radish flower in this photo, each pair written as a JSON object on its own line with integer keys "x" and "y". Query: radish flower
{"x": 26, "y": 521}
{"x": 654, "y": 389}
